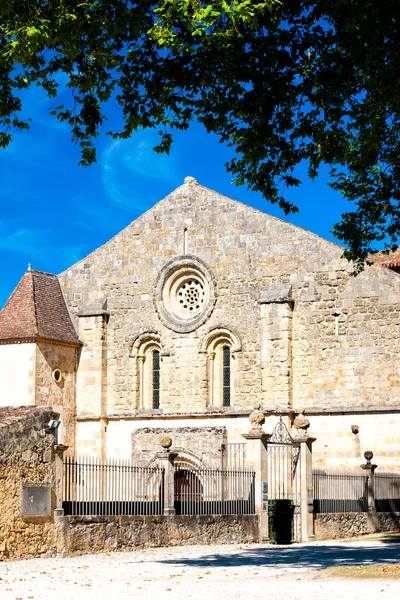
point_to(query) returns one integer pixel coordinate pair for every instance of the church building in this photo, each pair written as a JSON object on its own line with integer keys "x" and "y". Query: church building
{"x": 196, "y": 312}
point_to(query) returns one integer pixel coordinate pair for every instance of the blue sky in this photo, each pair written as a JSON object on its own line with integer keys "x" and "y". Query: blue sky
{"x": 57, "y": 212}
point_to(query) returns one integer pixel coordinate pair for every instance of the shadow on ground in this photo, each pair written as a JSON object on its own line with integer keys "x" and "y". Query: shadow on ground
{"x": 309, "y": 556}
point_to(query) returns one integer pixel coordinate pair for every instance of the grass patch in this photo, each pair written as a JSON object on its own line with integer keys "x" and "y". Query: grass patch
{"x": 392, "y": 538}
{"x": 362, "y": 572}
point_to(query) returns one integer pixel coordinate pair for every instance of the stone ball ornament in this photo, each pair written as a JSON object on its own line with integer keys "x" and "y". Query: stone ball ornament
{"x": 257, "y": 417}
{"x": 166, "y": 442}
{"x": 368, "y": 455}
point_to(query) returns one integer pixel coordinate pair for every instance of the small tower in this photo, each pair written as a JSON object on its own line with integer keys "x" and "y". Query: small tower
{"x": 39, "y": 349}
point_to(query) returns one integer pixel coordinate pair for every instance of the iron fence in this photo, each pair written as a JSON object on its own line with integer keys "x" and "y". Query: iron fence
{"x": 213, "y": 491}
{"x": 112, "y": 487}
{"x": 339, "y": 492}
{"x": 387, "y": 492}
{"x": 236, "y": 456}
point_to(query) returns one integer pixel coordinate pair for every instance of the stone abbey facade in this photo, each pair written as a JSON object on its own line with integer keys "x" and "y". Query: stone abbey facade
{"x": 196, "y": 311}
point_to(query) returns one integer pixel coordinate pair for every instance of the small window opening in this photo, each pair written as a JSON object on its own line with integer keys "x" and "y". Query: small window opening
{"x": 226, "y": 379}
{"x": 156, "y": 379}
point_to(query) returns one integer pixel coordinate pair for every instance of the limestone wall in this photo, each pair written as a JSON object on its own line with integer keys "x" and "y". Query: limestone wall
{"x": 343, "y": 346}
{"x": 17, "y": 374}
{"x": 26, "y": 457}
{"x": 337, "y": 447}
{"x": 350, "y": 525}
{"x": 202, "y": 446}
{"x": 97, "y": 534}
{"x": 59, "y": 395}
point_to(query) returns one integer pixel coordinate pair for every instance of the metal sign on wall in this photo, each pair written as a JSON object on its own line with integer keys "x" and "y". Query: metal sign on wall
{"x": 36, "y": 500}
{"x": 264, "y": 491}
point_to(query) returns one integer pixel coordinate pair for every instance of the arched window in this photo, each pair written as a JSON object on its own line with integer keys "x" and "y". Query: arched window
{"x": 221, "y": 345}
{"x": 147, "y": 350}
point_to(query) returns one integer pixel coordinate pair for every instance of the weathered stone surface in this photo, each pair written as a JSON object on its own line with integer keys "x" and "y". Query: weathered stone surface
{"x": 320, "y": 338}
{"x": 201, "y": 446}
{"x": 96, "y": 534}
{"x": 24, "y": 452}
{"x": 330, "y": 526}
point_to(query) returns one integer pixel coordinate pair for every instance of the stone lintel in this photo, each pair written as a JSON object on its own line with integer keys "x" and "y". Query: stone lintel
{"x": 276, "y": 294}
{"x": 167, "y": 455}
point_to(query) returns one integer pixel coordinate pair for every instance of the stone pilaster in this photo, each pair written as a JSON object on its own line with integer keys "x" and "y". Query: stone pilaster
{"x": 92, "y": 371}
{"x": 276, "y": 346}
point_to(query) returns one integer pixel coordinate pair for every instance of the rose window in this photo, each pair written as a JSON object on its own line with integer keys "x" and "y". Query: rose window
{"x": 185, "y": 294}
{"x": 191, "y": 295}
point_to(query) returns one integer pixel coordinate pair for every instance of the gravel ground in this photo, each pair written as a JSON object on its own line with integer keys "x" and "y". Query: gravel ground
{"x": 203, "y": 573}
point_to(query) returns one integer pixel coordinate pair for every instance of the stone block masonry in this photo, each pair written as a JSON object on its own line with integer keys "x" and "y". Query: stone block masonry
{"x": 26, "y": 458}
{"x": 97, "y": 534}
{"x": 334, "y": 526}
{"x": 309, "y": 334}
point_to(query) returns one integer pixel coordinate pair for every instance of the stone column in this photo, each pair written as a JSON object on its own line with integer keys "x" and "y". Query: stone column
{"x": 210, "y": 375}
{"x": 276, "y": 309}
{"x": 166, "y": 461}
{"x": 370, "y": 470}
{"x": 256, "y": 459}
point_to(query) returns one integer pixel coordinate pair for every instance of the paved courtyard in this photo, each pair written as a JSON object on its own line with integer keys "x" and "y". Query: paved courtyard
{"x": 203, "y": 573}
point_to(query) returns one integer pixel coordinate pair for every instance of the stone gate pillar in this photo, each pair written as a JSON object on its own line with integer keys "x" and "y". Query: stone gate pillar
{"x": 256, "y": 460}
{"x": 305, "y": 440}
{"x": 166, "y": 461}
{"x": 370, "y": 470}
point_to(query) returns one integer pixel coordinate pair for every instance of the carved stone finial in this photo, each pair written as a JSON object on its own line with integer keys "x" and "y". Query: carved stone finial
{"x": 190, "y": 180}
{"x": 301, "y": 423}
{"x": 368, "y": 455}
{"x": 257, "y": 417}
{"x": 166, "y": 442}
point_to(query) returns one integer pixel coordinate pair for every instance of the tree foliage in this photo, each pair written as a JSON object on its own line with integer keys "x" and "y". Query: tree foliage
{"x": 280, "y": 81}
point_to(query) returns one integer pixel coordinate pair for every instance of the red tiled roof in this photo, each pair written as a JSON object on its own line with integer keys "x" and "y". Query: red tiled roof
{"x": 390, "y": 260}
{"x": 37, "y": 309}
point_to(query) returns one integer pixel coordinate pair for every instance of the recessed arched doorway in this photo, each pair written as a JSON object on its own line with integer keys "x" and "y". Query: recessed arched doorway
{"x": 188, "y": 492}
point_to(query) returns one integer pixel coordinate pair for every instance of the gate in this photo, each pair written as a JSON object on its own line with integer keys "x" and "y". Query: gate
{"x": 284, "y": 498}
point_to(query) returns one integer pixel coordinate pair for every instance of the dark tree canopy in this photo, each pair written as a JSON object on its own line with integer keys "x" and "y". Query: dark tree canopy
{"x": 281, "y": 82}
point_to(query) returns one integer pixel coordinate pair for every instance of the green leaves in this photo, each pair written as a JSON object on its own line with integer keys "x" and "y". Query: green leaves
{"x": 279, "y": 82}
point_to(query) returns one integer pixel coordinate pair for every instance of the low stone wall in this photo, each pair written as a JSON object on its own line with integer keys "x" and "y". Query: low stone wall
{"x": 96, "y": 534}
{"x": 332, "y": 526}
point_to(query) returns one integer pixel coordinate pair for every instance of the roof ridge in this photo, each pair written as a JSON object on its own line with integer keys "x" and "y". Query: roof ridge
{"x": 46, "y": 273}
{"x": 35, "y": 317}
